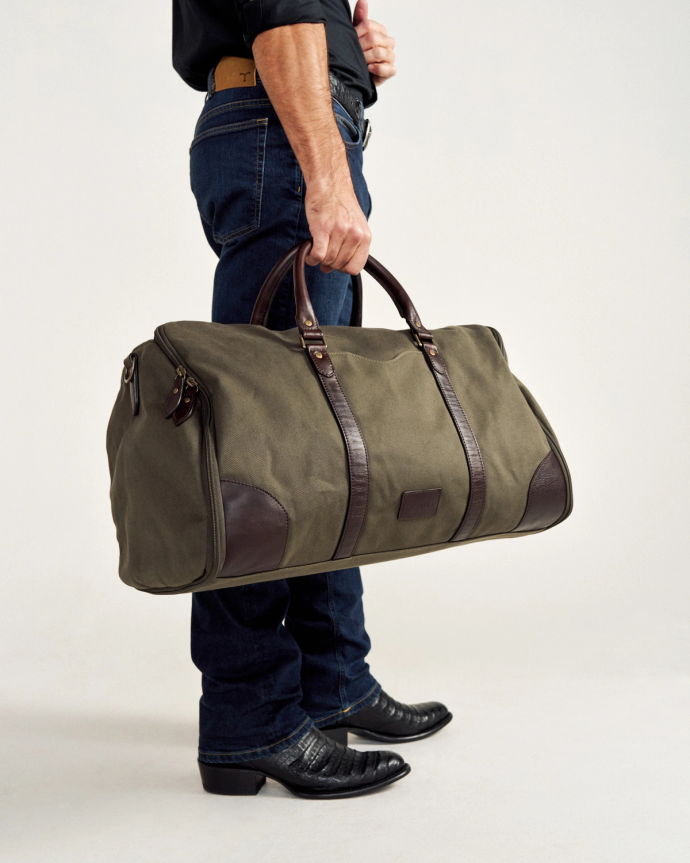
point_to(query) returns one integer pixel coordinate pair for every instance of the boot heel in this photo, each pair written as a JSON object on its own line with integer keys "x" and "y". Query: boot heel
{"x": 217, "y": 779}
{"x": 337, "y": 734}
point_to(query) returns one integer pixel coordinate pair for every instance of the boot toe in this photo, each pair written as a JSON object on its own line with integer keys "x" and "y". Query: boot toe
{"x": 392, "y": 763}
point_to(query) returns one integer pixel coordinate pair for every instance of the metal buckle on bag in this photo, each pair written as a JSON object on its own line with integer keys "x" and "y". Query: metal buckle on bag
{"x": 321, "y": 344}
{"x": 129, "y": 372}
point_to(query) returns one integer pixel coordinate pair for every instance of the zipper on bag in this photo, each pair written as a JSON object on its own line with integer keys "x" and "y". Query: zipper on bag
{"x": 182, "y": 397}
{"x": 193, "y": 388}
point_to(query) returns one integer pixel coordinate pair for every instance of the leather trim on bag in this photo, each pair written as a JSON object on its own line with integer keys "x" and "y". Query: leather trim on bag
{"x": 256, "y": 529}
{"x": 186, "y": 408}
{"x": 547, "y": 496}
{"x": 475, "y": 464}
{"x": 357, "y": 461}
{"x": 422, "y": 503}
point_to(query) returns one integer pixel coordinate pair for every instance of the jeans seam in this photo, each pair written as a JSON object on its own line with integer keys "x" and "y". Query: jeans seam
{"x": 230, "y": 127}
{"x": 258, "y": 184}
{"x": 349, "y": 145}
{"x": 336, "y": 635}
{"x": 294, "y": 242}
{"x": 230, "y": 106}
{"x": 260, "y": 748}
{"x": 259, "y": 651}
{"x": 354, "y": 704}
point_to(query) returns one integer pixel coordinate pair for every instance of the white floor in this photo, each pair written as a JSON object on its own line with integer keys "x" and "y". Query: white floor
{"x": 586, "y": 771}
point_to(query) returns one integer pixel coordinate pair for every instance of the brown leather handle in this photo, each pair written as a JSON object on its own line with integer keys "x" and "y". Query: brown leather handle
{"x": 264, "y": 300}
{"x": 296, "y": 258}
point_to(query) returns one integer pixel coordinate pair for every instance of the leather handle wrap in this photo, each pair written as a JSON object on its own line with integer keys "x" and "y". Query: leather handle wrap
{"x": 387, "y": 280}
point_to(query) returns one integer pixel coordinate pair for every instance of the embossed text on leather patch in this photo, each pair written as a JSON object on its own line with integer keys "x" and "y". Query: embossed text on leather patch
{"x": 419, "y": 504}
{"x": 235, "y": 72}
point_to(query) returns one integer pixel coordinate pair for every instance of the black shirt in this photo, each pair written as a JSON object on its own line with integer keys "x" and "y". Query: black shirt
{"x": 206, "y": 30}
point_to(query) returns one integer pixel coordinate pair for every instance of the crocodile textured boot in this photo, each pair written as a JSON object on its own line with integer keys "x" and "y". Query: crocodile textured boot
{"x": 315, "y": 767}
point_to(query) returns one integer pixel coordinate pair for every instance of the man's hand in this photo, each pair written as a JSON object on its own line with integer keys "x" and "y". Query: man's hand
{"x": 293, "y": 64}
{"x": 338, "y": 227}
{"x": 376, "y": 44}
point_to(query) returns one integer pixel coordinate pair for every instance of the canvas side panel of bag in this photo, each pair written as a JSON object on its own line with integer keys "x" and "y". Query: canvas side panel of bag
{"x": 159, "y": 493}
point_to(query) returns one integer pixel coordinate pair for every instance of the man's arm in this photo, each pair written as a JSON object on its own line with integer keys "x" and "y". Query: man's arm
{"x": 293, "y": 64}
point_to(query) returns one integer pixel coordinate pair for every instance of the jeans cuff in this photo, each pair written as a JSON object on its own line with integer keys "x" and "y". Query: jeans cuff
{"x": 355, "y": 707}
{"x": 261, "y": 752}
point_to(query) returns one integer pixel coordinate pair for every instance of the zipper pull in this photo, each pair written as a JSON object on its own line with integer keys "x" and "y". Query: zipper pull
{"x": 186, "y": 408}
{"x": 174, "y": 399}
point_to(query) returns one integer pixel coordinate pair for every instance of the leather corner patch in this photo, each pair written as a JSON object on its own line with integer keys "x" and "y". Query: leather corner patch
{"x": 256, "y": 529}
{"x": 419, "y": 504}
{"x": 546, "y": 498}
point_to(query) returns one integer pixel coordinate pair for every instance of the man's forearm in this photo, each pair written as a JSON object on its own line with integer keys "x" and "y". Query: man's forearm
{"x": 293, "y": 65}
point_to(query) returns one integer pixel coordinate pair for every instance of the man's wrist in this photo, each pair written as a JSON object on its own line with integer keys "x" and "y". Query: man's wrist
{"x": 323, "y": 161}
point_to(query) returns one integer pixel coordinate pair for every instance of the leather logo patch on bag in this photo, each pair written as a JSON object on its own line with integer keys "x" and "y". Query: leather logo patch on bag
{"x": 419, "y": 504}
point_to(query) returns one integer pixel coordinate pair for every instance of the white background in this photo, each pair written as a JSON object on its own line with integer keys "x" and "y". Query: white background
{"x": 529, "y": 170}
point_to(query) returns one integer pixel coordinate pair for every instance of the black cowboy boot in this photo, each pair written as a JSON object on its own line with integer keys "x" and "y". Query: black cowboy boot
{"x": 389, "y": 721}
{"x": 316, "y": 767}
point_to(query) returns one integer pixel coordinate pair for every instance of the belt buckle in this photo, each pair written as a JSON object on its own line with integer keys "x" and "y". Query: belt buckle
{"x": 366, "y": 133}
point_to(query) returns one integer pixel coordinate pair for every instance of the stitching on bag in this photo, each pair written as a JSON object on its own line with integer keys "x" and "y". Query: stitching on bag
{"x": 258, "y": 488}
{"x": 368, "y": 359}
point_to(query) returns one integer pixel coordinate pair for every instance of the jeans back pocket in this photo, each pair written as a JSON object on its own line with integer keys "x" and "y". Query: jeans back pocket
{"x": 227, "y": 173}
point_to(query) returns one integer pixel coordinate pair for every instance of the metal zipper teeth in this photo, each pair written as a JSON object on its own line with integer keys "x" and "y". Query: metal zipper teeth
{"x": 164, "y": 344}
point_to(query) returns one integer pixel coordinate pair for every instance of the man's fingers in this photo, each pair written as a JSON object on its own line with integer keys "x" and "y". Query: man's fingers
{"x": 361, "y": 12}
{"x": 358, "y": 255}
{"x": 319, "y": 247}
{"x": 372, "y": 39}
{"x": 379, "y": 55}
{"x": 336, "y": 235}
{"x": 382, "y": 70}
{"x": 369, "y": 25}
{"x": 355, "y": 237}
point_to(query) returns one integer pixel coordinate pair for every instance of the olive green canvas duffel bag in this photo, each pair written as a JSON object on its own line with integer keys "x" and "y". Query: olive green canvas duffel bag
{"x": 241, "y": 454}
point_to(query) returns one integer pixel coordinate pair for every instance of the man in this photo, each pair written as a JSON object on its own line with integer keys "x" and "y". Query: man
{"x": 276, "y": 159}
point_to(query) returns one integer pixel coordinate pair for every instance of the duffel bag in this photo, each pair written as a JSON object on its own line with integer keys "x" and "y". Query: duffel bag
{"x": 240, "y": 454}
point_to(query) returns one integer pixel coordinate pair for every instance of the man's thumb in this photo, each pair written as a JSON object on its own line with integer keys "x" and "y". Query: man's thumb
{"x": 361, "y": 12}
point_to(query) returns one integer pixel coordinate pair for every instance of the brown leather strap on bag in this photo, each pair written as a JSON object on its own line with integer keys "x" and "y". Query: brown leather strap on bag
{"x": 315, "y": 345}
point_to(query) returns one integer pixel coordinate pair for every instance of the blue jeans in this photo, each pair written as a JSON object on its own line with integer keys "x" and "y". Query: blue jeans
{"x": 278, "y": 657}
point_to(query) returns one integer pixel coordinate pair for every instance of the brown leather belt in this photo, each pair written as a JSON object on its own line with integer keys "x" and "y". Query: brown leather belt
{"x": 241, "y": 72}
